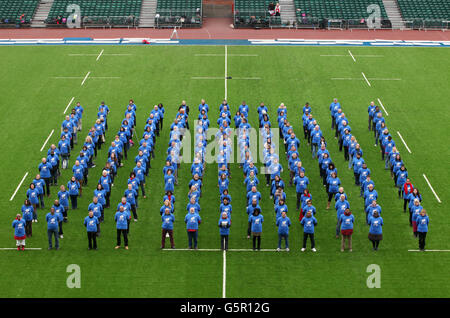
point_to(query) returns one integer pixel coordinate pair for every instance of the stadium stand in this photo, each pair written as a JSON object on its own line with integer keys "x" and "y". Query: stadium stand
{"x": 254, "y": 13}
{"x": 11, "y": 12}
{"x": 183, "y": 13}
{"x": 425, "y": 13}
{"x": 98, "y": 12}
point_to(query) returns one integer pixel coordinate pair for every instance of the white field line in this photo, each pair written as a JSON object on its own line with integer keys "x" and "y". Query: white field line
{"x": 46, "y": 140}
{"x": 356, "y": 55}
{"x": 221, "y": 78}
{"x": 228, "y": 54}
{"x": 226, "y": 71}
{"x": 85, "y": 78}
{"x": 224, "y": 279}
{"x": 434, "y": 192}
{"x": 407, "y": 148}
{"x": 333, "y": 55}
{"x": 95, "y": 54}
{"x": 17, "y": 189}
{"x": 429, "y": 250}
{"x": 15, "y": 248}
{"x": 98, "y": 57}
{"x": 367, "y": 81}
{"x": 381, "y": 104}
{"x": 219, "y": 250}
{"x": 362, "y": 79}
{"x": 354, "y": 60}
{"x": 384, "y": 79}
{"x": 68, "y": 105}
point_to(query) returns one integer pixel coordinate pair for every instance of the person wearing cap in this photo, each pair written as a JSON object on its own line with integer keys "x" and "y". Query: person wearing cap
{"x": 91, "y": 223}
{"x": 347, "y": 220}
{"x": 256, "y": 219}
{"x": 375, "y": 231}
{"x": 192, "y": 220}
{"x": 422, "y": 221}
{"x": 309, "y": 222}
{"x": 283, "y": 223}
{"x": 19, "y": 225}
{"x": 53, "y": 220}
{"x": 167, "y": 227}
{"x": 224, "y": 230}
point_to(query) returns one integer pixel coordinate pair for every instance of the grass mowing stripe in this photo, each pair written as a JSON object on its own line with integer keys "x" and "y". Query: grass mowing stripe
{"x": 381, "y": 104}
{"x": 68, "y": 105}
{"x": 17, "y": 189}
{"x": 364, "y": 75}
{"x": 407, "y": 148}
{"x": 46, "y": 140}
{"x": 434, "y": 192}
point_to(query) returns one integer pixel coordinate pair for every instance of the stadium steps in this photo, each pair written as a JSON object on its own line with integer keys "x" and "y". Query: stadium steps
{"x": 394, "y": 14}
{"x": 42, "y": 11}
{"x": 287, "y": 12}
{"x": 148, "y": 12}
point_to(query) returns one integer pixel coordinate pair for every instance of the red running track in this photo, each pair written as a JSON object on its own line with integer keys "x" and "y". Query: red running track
{"x": 220, "y": 28}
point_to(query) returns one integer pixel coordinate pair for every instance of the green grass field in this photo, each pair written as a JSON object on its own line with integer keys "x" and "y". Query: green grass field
{"x": 32, "y": 101}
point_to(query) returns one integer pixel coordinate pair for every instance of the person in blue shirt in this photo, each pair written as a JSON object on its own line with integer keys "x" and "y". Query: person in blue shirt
{"x": 19, "y": 225}
{"x": 192, "y": 220}
{"x": 59, "y": 209}
{"x": 131, "y": 195}
{"x": 301, "y": 183}
{"x": 97, "y": 209}
{"x": 167, "y": 227}
{"x": 375, "y": 231}
{"x": 169, "y": 181}
{"x": 371, "y": 209}
{"x": 33, "y": 196}
{"x": 73, "y": 185}
{"x": 121, "y": 219}
{"x": 411, "y": 197}
{"x": 224, "y": 230}
{"x": 45, "y": 170}
{"x": 422, "y": 221}
{"x": 415, "y": 211}
{"x": 53, "y": 220}
{"x": 347, "y": 220}
{"x": 357, "y": 165}
{"x": 256, "y": 219}
{"x": 309, "y": 222}
{"x": 333, "y": 187}
{"x": 27, "y": 213}
{"x": 283, "y": 223}
{"x": 91, "y": 223}
{"x": 39, "y": 184}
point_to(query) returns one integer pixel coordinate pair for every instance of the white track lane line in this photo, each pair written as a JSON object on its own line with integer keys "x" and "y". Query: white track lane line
{"x": 46, "y": 140}
{"x": 17, "y": 189}
{"x": 434, "y": 192}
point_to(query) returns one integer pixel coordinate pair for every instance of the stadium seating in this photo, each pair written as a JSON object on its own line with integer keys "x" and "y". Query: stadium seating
{"x": 171, "y": 12}
{"x": 254, "y": 13}
{"x": 337, "y": 9}
{"x": 11, "y": 10}
{"x": 425, "y": 9}
{"x": 112, "y": 11}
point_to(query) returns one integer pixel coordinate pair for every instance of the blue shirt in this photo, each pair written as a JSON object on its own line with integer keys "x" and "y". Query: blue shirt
{"x": 121, "y": 220}
{"x": 167, "y": 221}
{"x": 53, "y": 220}
{"x": 192, "y": 221}
{"x": 256, "y": 222}
{"x": 224, "y": 226}
{"x": 308, "y": 224}
{"x": 422, "y": 223}
{"x": 91, "y": 223}
{"x": 347, "y": 222}
{"x": 375, "y": 225}
{"x": 283, "y": 224}
{"x": 19, "y": 227}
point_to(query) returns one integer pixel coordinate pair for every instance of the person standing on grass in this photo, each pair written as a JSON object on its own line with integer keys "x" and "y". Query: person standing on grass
{"x": 301, "y": 183}
{"x": 91, "y": 223}
{"x": 167, "y": 227}
{"x": 192, "y": 220}
{"x": 333, "y": 187}
{"x": 408, "y": 188}
{"x": 73, "y": 185}
{"x": 411, "y": 197}
{"x": 283, "y": 223}
{"x": 19, "y": 225}
{"x": 347, "y": 220}
{"x": 256, "y": 220}
{"x": 415, "y": 210}
{"x": 27, "y": 212}
{"x": 121, "y": 219}
{"x": 97, "y": 209}
{"x": 45, "y": 170}
{"x": 375, "y": 231}
{"x": 39, "y": 184}
{"x": 309, "y": 223}
{"x": 59, "y": 209}
{"x": 33, "y": 196}
{"x": 422, "y": 221}
{"x": 53, "y": 220}
{"x": 78, "y": 173}
{"x": 131, "y": 195}
{"x": 224, "y": 230}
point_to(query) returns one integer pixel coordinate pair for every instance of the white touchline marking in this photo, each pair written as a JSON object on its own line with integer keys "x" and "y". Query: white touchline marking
{"x": 221, "y": 78}
{"x": 224, "y": 54}
{"x": 224, "y": 280}
{"x": 407, "y": 148}
{"x": 429, "y": 251}
{"x": 85, "y": 78}
{"x": 381, "y": 104}
{"x": 70, "y": 103}
{"x": 105, "y": 54}
{"x": 226, "y": 71}
{"x": 364, "y": 75}
{"x": 356, "y": 55}
{"x": 384, "y": 79}
{"x": 362, "y": 79}
{"x": 98, "y": 57}
{"x": 434, "y": 192}
{"x": 219, "y": 250}
{"x": 17, "y": 189}
{"x": 15, "y": 248}
{"x": 46, "y": 140}
{"x": 333, "y": 55}
{"x": 354, "y": 60}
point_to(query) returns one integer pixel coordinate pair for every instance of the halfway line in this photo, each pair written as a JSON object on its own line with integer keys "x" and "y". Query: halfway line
{"x": 17, "y": 189}
{"x": 434, "y": 192}
{"x": 46, "y": 140}
{"x": 381, "y": 104}
{"x": 407, "y": 148}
